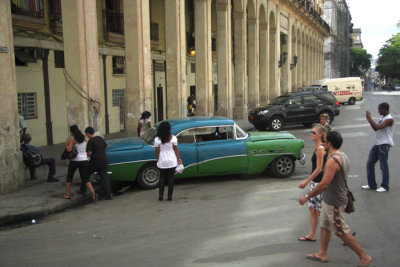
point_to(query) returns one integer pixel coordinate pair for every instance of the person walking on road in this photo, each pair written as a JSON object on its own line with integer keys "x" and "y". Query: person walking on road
{"x": 323, "y": 120}
{"x": 333, "y": 187}
{"x": 380, "y": 151}
{"x": 96, "y": 150}
{"x": 167, "y": 158}
{"x": 77, "y": 140}
{"x": 318, "y": 161}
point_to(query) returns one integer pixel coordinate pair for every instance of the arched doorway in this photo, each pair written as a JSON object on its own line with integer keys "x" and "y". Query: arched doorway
{"x": 273, "y": 64}
{"x": 263, "y": 63}
{"x": 252, "y": 59}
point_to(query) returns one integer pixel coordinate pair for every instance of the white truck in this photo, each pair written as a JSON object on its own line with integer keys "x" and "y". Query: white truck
{"x": 347, "y": 90}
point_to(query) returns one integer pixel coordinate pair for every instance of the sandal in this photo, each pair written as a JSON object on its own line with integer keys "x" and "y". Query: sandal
{"x": 305, "y": 238}
{"x": 67, "y": 196}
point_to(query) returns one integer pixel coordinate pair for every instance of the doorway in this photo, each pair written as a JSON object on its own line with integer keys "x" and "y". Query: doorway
{"x": 160, "y": 104}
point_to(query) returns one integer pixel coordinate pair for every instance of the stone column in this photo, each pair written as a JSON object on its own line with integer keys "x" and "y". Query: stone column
{"x": 240, "y": 97}
{"x": 204, "y": 92}
{"x": 11, "y": 166}
{"x": 263, "y": 63}
{"x": 176, "y": 58}
{"x": 224, "y": 35}
{"x": 82, "y": 64}
{"x": 253, "y": 72}
{"x": 139, "y": 91}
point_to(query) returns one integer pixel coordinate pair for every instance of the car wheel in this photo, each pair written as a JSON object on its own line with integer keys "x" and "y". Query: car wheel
{"x": 352, "y": 101}
{"x": 307, "y": 125}
{"x": 283, "y": 166}
{"x": 330, "y": 120}
{"x": 276, "y": 123}
{"x": 149, "y": 176}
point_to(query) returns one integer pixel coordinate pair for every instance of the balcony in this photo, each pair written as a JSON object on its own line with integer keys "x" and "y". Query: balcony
{"x": 55, "y": 16}
{"x": 311, "y": 12}
{"x": 27, "y": 14}
{"x": 113, "y": 24}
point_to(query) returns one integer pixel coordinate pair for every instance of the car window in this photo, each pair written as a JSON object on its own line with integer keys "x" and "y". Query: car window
{"x": 240, "y": 134}
{"x": 205, "y": 134}
{"x": 310, "y": 99}
{"x": 294, "y": 100}
{"x": 327, "y": 97}
{"x": 324, "y": 88}
{"x": 279, "y": 100}
{"x": 186, "y": 137}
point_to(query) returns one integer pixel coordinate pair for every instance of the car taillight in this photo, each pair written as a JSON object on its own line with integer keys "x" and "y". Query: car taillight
{"x": 251, "y": 117}
{"x": 337, "y": 104}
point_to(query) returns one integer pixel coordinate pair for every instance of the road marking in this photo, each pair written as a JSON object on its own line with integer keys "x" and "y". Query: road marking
{"x": 354, "y": 134}
{"x": 385, "y": 93}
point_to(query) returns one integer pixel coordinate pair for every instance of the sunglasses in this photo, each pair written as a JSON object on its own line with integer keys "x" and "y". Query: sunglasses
{"x": 312, "y": 132}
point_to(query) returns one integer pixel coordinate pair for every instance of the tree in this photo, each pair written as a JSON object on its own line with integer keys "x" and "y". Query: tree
{"x": 361, "y": 61}
{"x": 388, "y": 63}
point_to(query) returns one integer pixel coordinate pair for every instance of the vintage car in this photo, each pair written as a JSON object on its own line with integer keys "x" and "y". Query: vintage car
{"x": 208, "y": 146}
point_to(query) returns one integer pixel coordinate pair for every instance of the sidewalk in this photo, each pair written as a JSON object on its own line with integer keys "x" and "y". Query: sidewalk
{"x": 38, "y": 198}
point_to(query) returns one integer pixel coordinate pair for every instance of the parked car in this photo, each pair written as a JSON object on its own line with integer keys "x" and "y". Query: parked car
{"x": 295, "y": 108}
{"x": 397, "y": 87}
{"x": 208, "y": 146}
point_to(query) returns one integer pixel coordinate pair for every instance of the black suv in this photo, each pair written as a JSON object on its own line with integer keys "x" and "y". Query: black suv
{"x": 294, "y": 108}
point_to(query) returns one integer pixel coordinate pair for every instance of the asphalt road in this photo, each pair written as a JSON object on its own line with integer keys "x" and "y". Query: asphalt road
{"x": 224, "y": 221}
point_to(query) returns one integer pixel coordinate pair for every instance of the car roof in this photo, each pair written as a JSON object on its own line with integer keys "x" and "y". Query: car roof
{"x": 306, "y": 92}
{"x": 180, "y": 124}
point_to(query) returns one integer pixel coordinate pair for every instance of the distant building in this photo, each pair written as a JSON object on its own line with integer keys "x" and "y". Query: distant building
{"x": 337, "y": 45}
{"x": 356, "y": 38}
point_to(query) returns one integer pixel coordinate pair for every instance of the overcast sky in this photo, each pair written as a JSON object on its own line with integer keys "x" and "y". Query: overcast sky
{"x": 377, "y": 20}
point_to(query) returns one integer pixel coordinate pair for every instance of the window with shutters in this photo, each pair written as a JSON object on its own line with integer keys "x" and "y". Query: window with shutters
{"x": 27, "y": 105}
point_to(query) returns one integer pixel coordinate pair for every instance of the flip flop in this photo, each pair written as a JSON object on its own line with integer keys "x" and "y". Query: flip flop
{"x": 305, "y": 238}
{"x": 316, "y": 258}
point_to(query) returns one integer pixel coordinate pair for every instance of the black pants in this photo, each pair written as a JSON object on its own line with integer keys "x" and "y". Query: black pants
{"x": 166, "y": 174}
{"x": 51, "y": 162}
{"x": 83, "y": 167}
{"x": 102, "y": 173}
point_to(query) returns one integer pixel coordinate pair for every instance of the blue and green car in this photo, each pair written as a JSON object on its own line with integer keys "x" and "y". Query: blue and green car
{"x": 209, "y": 146}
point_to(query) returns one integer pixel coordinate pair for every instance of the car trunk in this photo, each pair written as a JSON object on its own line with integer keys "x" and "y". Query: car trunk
{"x": 124, "y": 144}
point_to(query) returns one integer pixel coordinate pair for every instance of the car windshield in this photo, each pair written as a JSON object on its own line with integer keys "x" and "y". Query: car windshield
{"x": 149, "y": 136}
{"x": 279, "y": 100}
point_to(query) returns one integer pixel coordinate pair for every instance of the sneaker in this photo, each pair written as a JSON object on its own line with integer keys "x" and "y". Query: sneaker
{"x": 52, "y": 180}
{"x": 366, "y": 187}
{"x": 381, "y": 189}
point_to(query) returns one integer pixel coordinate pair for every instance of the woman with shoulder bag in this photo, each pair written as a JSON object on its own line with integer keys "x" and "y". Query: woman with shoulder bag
{"x": 81, "y": 162}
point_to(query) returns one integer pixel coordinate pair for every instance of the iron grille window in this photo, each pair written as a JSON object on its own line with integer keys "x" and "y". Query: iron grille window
{"x": 32, "y": 8}
{"x": 117, "y": 94}
{"x": 118, "y": 65}
{"x": 159, "y": 66}
{"x": 153, "y": 31}
{"x": 27, "y": 105}
{"x": 59, "y": 59}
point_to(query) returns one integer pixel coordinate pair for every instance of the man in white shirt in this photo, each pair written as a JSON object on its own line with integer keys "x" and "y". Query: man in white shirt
{"x": 384, "y": 140}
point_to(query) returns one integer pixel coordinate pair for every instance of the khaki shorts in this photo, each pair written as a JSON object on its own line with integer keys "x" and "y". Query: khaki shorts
{"x": 332, "y": 219}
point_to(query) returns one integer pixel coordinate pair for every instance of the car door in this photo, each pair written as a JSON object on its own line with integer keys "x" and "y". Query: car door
{"x": 310, "y": 108}
{"x": 218, "y": 152}
{"x": 188, "y": 152}
{"x": 294, "y": 109}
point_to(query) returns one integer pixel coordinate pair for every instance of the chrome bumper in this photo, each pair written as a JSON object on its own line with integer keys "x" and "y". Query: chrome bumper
{"x": 302, "y": 159}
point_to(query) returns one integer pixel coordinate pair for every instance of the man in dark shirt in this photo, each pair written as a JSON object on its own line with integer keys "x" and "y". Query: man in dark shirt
{"x": 51, "y": 162}
{"x": 96, "y": 150}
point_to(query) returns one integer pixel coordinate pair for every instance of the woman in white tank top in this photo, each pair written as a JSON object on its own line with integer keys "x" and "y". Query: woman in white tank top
{"x": 81, "y": 162}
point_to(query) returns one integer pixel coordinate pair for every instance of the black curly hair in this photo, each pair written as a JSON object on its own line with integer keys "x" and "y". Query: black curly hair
{"x": 164, "y": 132}
{"x": 76, "y": 133}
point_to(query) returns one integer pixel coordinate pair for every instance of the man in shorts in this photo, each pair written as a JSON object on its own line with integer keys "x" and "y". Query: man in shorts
{"x": 334, "y": 191}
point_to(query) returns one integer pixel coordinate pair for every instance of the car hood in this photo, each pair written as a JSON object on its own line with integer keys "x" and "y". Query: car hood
{"x": 270, "y": 107}
{"x": 125, "y": 144}
{"x": 261, "y": 136}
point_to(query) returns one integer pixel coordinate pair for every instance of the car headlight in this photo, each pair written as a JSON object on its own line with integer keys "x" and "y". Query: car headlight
{"x": 263, "y": 112}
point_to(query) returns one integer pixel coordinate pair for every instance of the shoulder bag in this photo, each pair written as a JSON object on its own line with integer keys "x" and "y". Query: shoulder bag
{"x": 350, "y": 202}
{"x": 69, "y": 155}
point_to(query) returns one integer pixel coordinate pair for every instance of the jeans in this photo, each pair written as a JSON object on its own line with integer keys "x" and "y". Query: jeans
{"x": 166, "y": 174}
{"x": 378, "y": 152}
{"x": 51, "y": 162}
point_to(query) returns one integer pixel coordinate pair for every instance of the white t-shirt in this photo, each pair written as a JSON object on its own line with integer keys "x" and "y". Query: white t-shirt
{"x": 385, "y": 136}
{"x": 82, "y": 154}
{"x": 167, "y": 158}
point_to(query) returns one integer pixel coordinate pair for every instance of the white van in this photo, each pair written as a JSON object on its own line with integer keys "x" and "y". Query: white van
{"x": 346, "y": 90}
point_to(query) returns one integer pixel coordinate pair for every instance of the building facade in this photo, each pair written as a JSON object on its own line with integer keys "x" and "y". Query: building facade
{"x": 103, "y": 62}
{"x": 356, "y": 38}
{"x": 337, "y": 44}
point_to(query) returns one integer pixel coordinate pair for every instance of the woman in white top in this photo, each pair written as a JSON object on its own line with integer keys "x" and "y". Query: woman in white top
{"x": 167, "y": 157}
{"x": 81, "y": 162}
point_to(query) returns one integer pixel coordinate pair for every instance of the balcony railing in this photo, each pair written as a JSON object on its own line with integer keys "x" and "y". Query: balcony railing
{"x": 309, "y": 7}
{"x": 55, "y": 11}
{"x": 31, "y": 8}
{"x": 114, "y": 21}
